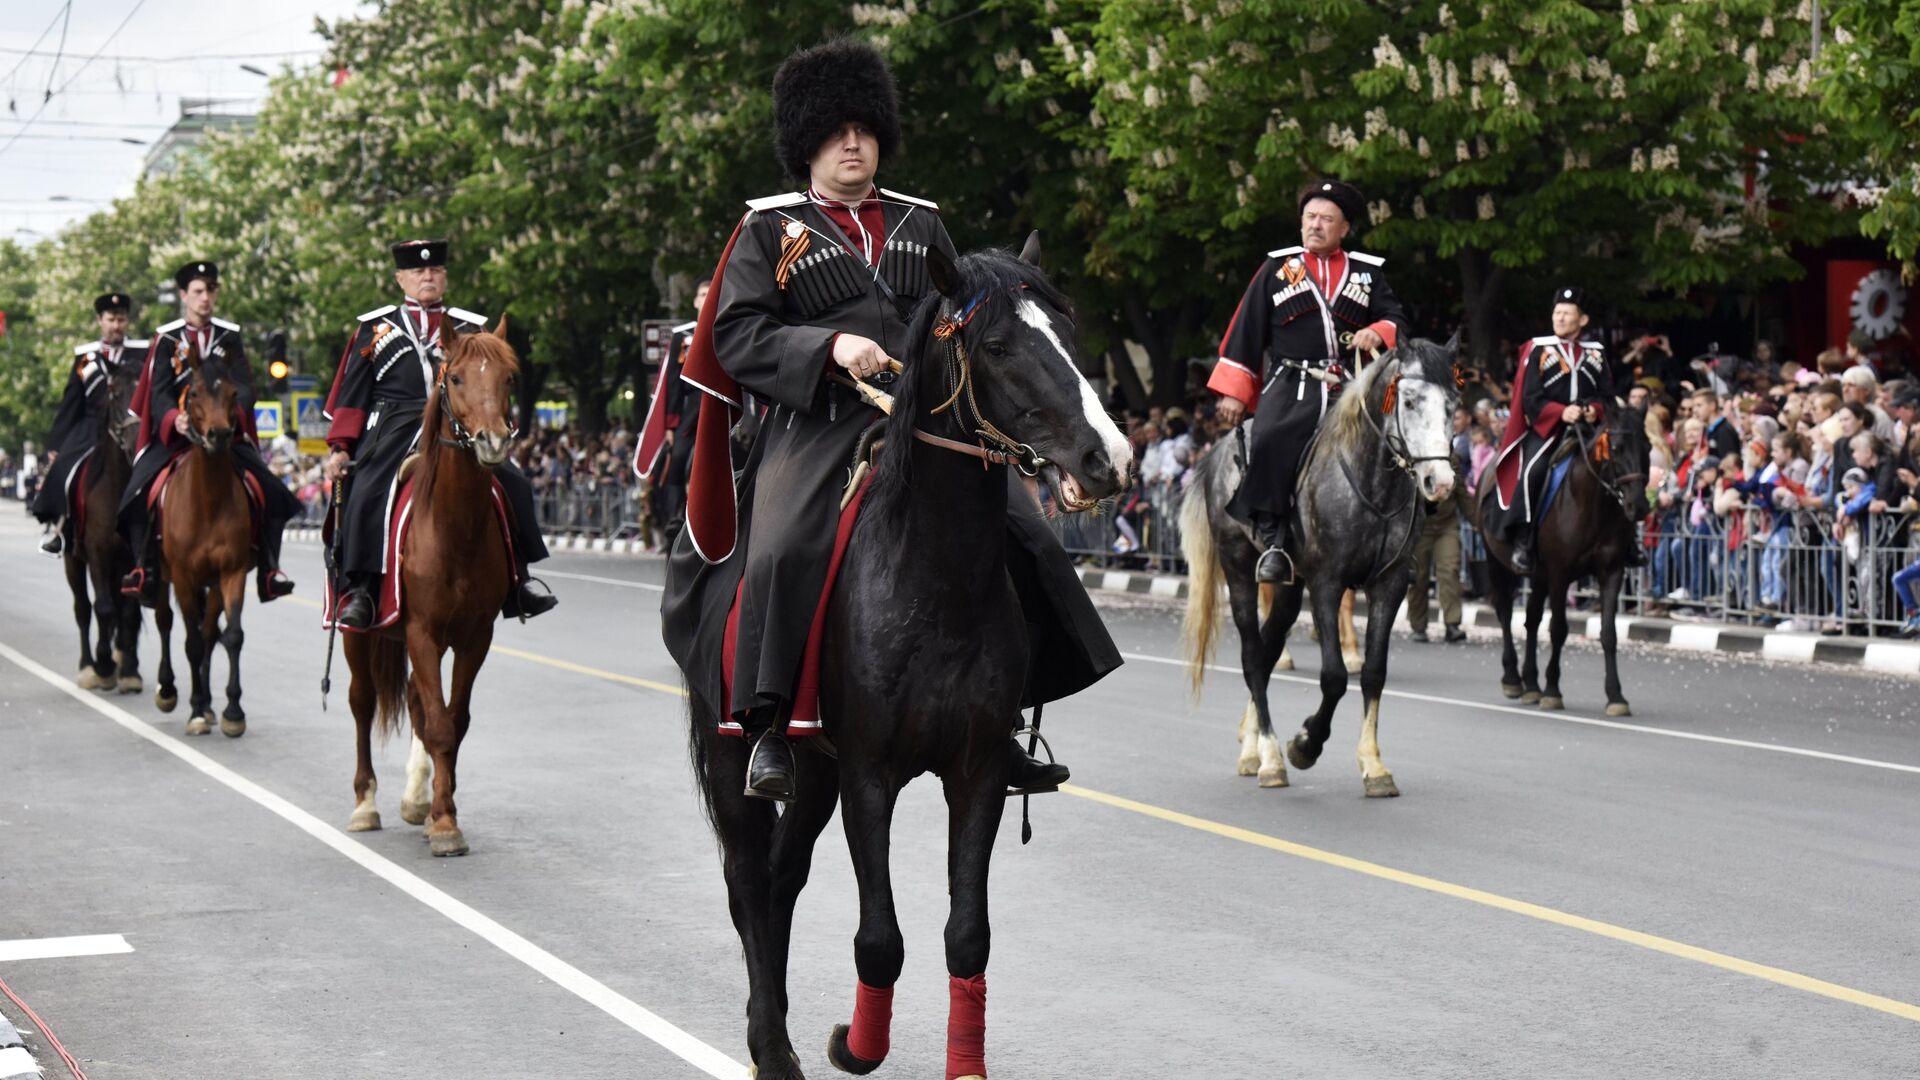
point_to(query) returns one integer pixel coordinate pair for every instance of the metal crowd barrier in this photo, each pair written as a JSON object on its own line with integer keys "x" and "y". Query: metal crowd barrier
{"x": 610, "y": 511}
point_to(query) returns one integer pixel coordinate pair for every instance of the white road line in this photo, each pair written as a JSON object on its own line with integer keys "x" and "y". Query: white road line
{"x": 1568, "y": 718}
{"x": 589, "y": 989}
{"x": 52, "y": 948}
{"x": 647, "y": 585}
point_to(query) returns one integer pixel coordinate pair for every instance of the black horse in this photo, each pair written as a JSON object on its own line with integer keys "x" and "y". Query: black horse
{"x": 926, "y": 649}
{"x": 98, "y": 556}
{"x": 1591, "y": 528}
{"x": 1379, "y": 457}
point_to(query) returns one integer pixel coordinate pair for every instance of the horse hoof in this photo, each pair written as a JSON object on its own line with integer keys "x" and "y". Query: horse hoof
{"x": 1512, "y": 690}
{"x": 1380, "y": 787}
{"x": 199, "y": 725}
{"x": 446, "y": 843}
{"x": 1275, "y": 778}
{"x": 1249, "y": 764}
{"x": 89, "y": 679}
{"x": 1618, "y": 708}
{"x": 130, "y": 684}
{"x": 414, "y": 813}
{"x": 1297, "y": 756}
{"x": 364, "y": 821}
{"x": 165, "y": 700}
{"x": 1531, "y": 697}
{"x": 1549, "y": 703}
{"x": 843, "y": 1058}
{"x": 233, "y": 728}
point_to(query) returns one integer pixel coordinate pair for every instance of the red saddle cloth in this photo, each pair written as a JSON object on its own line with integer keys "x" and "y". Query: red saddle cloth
{"x": 386, "y": 610}
{"x": 805, "y": 718}
{"x": 157, "y": 497}
{"x": 77, "y": 501}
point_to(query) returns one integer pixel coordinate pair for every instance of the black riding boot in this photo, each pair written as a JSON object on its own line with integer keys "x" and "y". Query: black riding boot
{"x": 524, "y": 602}
{"x": 143, "y": 580}
{"x": 1028, "y": 775}
{"x": 356, "y": 608}
{"x": 769, "y": 764}
{"x": 272, "y": 583}
{"x": 1275, "y": 566}
{"x": 54, "y": 542}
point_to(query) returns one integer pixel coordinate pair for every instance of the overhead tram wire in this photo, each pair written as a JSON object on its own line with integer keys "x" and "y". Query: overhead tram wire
{"x": 137, "y": 5}
{"x": 53, "y": 71}
{"x": 32, "y": 49}
{"x": 188, "y": 58}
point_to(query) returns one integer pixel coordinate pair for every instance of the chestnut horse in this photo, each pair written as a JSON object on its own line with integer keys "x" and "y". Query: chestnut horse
{"x": 454, "y": 576}
{"x": 98, "y": 554}
{"x": 206, "y": 545}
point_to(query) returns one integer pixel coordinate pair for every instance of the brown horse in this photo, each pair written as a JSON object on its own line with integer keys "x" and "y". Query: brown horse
{"x": 98, "y": 555}
{"x": 206, "y": 545}
{"x": 454, "y": 575}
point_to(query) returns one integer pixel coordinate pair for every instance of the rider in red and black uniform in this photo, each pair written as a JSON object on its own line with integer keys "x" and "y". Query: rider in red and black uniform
{"x": 76, "y": 427}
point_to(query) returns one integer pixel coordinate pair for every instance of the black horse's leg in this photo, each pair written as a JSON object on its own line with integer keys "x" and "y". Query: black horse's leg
{"x": 1530, "y": 671}
{"x": 1610, "y": 641}
{"x": 165, "y": 695}
{"x": 198, "y": 641}
{"x": 86, "y": 677}
{"x": 1556, "y": 639}
{"x": 866, "y": 809}
{"x": 817, "y": 784}
{"x": 1383, "y": 600}
{"x": 1501, "y": 583}
{"x": 233, "y": 719}
{"x": 1243, "y": 599}
{"x": 1257, "y": 660}
{"x": 126, "y": 630}
{"x": 974, "y": 805}
{"x": 745, "y": 829}
{"x": 1304, "y": 748}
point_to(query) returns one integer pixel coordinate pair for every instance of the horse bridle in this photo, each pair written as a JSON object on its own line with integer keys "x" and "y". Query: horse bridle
{"x": 1615, "y": 487}
{"x": 193, "y": 433}
{"x": 1395, "y": 442}
{"x": 462, "y": 435}
{"x": 960, "y": 385}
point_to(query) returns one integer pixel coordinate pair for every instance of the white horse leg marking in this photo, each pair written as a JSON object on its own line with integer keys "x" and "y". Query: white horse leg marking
{"x": 414, "y": 801}
{"x": 1119, "y": 451}
{"x": 1369, "y": 750}
{"x": 1273, "y": 765}
{"x": 366, "y": 812}
{"x": 1249, "y": 747}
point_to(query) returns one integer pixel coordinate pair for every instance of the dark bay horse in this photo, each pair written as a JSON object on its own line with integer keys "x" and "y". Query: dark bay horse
{"x": 1590, "y": 529}
{"x": 1382, "y": 453}
{"x": 206, "y": 545}
{"x": 454, "y": 576}
{"x": 925, "y": 650}
{"x": 99, "y": 556}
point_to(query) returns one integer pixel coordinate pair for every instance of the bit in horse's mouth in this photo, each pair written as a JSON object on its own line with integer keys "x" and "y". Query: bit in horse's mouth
{"x": 1067, "y": 491}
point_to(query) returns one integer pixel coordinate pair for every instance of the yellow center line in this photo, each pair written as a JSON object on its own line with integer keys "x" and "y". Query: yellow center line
{"x": 1653, "y": 942}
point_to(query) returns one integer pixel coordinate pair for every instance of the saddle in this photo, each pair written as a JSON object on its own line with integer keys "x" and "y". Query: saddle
{"x": 256, "y": 497}
{"x": 388, "y": 604}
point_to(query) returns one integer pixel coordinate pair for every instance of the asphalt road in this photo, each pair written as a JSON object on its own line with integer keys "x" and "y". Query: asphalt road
{"x": 1548, "y": 898}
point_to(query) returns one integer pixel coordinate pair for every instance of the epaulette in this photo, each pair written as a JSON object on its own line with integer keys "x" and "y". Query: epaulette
{"x": 467, "y": 316}
{"x": 1370, "y": 260}
{"x": 170, "y": 327}
{"x": 1546, "y": 339}
{"x": 1593, "y": 345}
{"x": 225, "y": 325}
{"x": 1283, "y": 252}
{"x": 139, "y": 343}
{"x": 377, "y": 312}
{"x": 896, "y": 196}
{"x": 776, "y": 202}
{"x": 82, "y": 350}
{"x": 685, "y": 327}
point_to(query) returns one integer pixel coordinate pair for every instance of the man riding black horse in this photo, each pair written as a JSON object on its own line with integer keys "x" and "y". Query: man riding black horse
{"x": 379, "y": 393}
{"x": 76, "y": 427}
{"x": 815, "y": 290}
{"x": 163, "y": 431}
{"x": 1279, "y": 358}
{"x": 1562, "y": 380}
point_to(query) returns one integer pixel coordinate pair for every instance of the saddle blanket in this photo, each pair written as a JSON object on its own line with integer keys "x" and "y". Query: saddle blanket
{"x": 157, "y": 497}
{"x": 1555, "y": 479}
{"x": 387, "y": 605}
{"x": 805, "y": 717}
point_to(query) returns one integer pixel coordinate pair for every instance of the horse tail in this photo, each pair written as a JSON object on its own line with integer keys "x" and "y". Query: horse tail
{"x": 389, "y": 671}
{"x": 1202, "y": 621}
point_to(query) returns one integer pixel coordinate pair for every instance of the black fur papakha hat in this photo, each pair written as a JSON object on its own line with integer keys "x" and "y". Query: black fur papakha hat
{"x": 1345, "y": 196}
{"x": 819, "y": 89}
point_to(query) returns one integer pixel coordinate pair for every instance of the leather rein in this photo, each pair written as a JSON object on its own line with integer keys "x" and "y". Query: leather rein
{"x": 1004, "y": 449}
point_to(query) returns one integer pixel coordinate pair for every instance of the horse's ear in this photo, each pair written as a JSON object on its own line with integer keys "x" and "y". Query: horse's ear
{"x": 449, "y": 334}
{"x": 1453, "y": 343}
{"x": 501, "y": 330}
{"x": 944, "y": 275}
{"x": 1030, "y": 251}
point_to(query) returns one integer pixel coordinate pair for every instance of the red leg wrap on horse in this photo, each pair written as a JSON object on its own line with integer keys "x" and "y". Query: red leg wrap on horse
{"x": 967, "y": 1026}
{"x": 867, "y": 1036}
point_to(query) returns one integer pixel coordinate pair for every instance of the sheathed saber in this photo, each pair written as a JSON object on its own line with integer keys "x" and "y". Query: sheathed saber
{"x": 333, "y": 623}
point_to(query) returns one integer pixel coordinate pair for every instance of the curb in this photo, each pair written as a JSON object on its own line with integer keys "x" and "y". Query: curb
{"x": 16, "y": 1061}
{"x": 1890, "y": 657}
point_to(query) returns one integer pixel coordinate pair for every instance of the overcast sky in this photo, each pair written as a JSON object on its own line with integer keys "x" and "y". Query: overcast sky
{"x": 72, "y": 161}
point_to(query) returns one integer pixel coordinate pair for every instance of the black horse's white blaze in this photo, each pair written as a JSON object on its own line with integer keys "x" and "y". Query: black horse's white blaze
{"x": 1119, "y": 453}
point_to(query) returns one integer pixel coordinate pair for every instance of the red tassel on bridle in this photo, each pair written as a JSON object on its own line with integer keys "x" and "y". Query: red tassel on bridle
{"x": 1602, "y": 448}
{"x": 1393, "y": 395}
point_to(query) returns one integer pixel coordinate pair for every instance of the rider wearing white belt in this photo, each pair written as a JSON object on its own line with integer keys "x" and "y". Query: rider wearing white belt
{"x": 1305, "y": 307}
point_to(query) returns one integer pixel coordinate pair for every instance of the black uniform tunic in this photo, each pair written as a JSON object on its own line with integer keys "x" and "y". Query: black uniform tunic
{"x": 76, "y": 426}
{"x": 776, "y": 342}
{"x": 167, "y": 378}
{"x": 1555, "y": 375}
{"x": 379, "y": 393}
{"x": 1300, "y": 310}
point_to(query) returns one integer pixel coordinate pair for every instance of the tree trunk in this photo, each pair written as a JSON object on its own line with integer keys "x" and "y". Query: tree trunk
{"x": 1482, "y": 292}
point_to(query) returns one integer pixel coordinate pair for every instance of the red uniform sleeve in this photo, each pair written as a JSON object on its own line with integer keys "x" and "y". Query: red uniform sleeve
{"x": 1243, "y": 348}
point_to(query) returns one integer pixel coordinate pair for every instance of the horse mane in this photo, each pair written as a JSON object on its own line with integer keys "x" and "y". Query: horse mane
{"x": 1426, "y": 360}
{"x": 999, "y": 277}
{"x": 427, "y": 470}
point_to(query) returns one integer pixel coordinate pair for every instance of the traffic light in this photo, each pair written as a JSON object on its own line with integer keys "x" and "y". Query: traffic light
{"x": 277, "y": 367}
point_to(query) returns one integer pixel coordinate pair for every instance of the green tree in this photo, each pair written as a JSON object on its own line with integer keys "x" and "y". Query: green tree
{"x": 1870, "y": 76}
